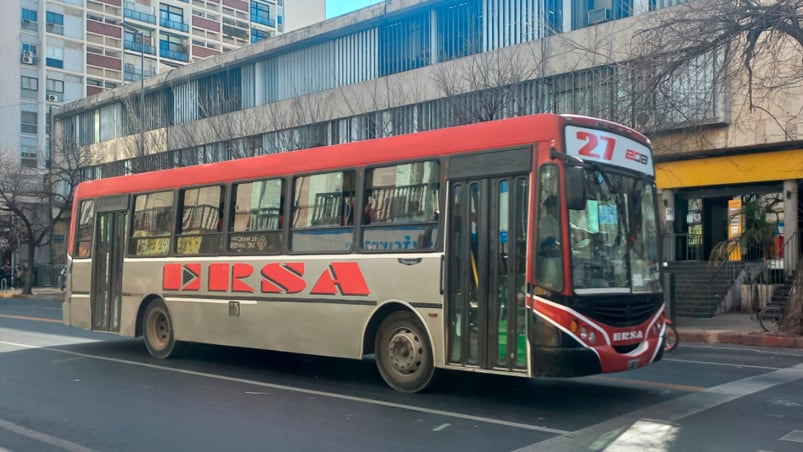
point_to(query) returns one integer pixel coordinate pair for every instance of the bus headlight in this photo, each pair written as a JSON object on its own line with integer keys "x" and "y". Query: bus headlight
{"x": 592, "y": 337}
{"x": 583, "y": 333}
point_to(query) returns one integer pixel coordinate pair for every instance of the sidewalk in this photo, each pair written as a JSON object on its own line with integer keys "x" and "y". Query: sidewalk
{"x": 732, "y": 328}
{"x": 47, "y": 293}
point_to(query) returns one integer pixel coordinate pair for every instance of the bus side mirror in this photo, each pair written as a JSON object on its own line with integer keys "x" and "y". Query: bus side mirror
{"x": 575, "y": 188}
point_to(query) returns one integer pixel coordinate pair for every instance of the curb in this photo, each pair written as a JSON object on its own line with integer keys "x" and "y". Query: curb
{"x": 755, "y": 339}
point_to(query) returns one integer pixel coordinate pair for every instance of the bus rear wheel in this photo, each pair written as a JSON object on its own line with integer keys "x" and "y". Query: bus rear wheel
{"x": 157, "y": 330}
{"x": 404, "y": 353}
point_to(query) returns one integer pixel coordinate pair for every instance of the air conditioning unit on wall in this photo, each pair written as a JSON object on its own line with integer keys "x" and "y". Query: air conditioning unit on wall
{"x": 27, "y": 57}
{"x": 598, "y": 15}
{"x": 52, "y": 98}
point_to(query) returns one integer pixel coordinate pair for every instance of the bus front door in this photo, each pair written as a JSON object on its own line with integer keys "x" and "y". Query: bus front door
{"x": 107, "y": 270}
{"x": 486, "y": 275}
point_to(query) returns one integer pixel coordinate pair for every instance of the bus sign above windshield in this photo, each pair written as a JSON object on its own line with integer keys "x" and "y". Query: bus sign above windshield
{"x": 610, "y": 148}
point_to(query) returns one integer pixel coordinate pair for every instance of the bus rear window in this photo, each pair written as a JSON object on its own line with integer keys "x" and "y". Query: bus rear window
{"x": 86, "y": 229}
{"x": 152, "y": 224}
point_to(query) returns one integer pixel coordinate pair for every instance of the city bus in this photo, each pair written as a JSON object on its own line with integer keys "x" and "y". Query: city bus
{"x": 526, "y": 246}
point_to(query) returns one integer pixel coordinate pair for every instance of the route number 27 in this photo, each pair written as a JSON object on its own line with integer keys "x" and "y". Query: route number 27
{"x": 592, "y": 141}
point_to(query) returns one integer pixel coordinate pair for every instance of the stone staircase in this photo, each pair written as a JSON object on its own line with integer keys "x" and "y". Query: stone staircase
{"x": 781, "y": 293}
{"x": 700, "y": 288}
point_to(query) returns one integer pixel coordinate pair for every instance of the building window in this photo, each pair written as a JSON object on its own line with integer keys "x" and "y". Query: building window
{"x": 31, "y": 48}
{"x": 28, "y": 122}
{"x": 29, "y": 20}
{"x": 404, "y": 45}
{"x": 260, "y": 14}
{"x": 55, "y": 90}
{"x": 259, "y": 35}
{"x": 55, "y": 57}
{"x": 30, "y": 86}
{"x": 29, "y": 155}
{"x": 172, "y": 17}
{"x": 55, "y": 23}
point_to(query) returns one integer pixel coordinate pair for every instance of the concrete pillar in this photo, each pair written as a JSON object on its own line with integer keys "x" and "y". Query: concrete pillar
{"x": 666, "y": 212}
{"x": 790, "y": 229}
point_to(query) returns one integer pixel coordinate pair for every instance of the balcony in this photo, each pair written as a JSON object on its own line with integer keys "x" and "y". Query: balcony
{"x": 263, "y": 19}
{"x": 173, "y": 55}
{"x": 132, "y": 74}
{"x": 142, "y": 17}
{"x": 174, "y": 25}
{"x": 137, "y": 47}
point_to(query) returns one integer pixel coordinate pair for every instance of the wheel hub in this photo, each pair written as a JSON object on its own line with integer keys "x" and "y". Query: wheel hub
{"x": 406, "y": 352}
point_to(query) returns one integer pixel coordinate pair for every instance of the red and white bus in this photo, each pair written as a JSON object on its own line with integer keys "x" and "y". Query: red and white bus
{"x": 525, "y": 246}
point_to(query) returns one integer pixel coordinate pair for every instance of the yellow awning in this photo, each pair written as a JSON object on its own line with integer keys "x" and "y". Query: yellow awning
{"x": 734, "y": 169}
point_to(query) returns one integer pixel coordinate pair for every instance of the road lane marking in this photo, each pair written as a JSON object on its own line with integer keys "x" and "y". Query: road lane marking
{"x": 332, "y": 395}
{"x": 25, "y": 317}
{"x": 43, "y": 437}
{"x": 764, "y": 351}
{"x": 606, "y": 434}
{"x": 441, "y": 427}
{"x": 714, "y": 363}
{"x": 672, "y": 386}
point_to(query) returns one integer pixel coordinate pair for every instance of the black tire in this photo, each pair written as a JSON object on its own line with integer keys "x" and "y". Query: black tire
{"x": 671, "y": 338}
{"x": 157, "y": 329}
{"x": 404, "y": 353}
{"x": 770, "y": 318}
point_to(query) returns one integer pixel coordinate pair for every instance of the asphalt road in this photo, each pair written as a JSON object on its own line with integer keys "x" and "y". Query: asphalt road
{"x": 68, "y": 389}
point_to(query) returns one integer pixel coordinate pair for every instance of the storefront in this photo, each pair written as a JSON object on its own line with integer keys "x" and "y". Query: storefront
{"x": 701, "y": 199}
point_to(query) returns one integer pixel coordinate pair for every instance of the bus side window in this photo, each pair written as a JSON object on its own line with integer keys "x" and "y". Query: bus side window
{"x": 152, "y": 224}
{"x": 549, "y": 262}
{"x": 201, "y": 221}
{"x": 401, "y": 207}
{"x": 86, "y": 229}
{"x": 323, "y": 212}
{"x": 256, "y": 217}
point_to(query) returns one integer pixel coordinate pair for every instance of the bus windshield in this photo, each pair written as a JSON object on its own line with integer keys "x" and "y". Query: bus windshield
{"x": 614, "y": 240}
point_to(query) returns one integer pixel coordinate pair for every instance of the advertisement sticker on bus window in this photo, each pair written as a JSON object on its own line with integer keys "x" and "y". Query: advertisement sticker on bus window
{"x": 609, "y": 148}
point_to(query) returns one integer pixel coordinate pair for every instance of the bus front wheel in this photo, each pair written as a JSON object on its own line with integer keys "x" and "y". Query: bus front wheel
{"x": 158, "y": 331}
{"x": 404, "y": 353}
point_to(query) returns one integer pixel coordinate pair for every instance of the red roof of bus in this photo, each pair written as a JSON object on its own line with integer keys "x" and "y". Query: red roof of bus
{"x": 488, "y": 135}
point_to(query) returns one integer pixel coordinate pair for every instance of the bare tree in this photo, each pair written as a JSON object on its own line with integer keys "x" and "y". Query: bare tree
{"x": 753, "y": 47}
{"x": 32, "y": 200}
{"x": 483, "y": 86}
{"x": 745, "y": 46}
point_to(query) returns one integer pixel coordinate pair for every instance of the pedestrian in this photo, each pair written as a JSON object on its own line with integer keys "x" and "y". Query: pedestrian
{"x": 19, "y": 274}
{"x": 5, "y": 275}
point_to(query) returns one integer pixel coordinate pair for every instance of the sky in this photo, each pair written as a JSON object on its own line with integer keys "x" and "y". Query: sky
{"x": 338, "y": 7}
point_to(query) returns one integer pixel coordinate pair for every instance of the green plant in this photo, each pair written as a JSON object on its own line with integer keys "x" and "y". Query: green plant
{"x": 758, "y": 230}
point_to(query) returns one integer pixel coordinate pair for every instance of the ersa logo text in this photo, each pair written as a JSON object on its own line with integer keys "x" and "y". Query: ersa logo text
{"x": 627, "y": 336}
{"x": 338, "y": 278}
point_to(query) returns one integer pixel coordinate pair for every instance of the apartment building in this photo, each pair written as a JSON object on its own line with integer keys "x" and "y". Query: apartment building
{"x": 58, "y": 51}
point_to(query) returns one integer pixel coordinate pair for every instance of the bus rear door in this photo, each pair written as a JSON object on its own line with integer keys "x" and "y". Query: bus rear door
{"x": 107, "y": 262}
{"x": 486, "y": 263}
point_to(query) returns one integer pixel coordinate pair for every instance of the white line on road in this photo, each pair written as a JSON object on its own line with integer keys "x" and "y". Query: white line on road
{"x": 713, "y": 363}
{"x": 43, "y": 437}
{"x": 604, "y": 435}
{"x": 441, "y": 427}
{"x": 333, "y": 395}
